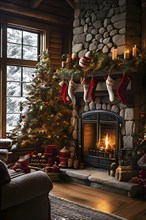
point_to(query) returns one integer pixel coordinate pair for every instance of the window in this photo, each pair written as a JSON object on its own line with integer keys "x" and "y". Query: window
{"x": 18, "y": 81}
{"x": 22, "y": 44}
{"x": 21, "y": 41}
{"x": 20, "y": 51}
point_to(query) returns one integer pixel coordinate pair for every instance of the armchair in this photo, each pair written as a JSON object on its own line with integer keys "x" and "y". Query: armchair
{"x": 25, "y": 197}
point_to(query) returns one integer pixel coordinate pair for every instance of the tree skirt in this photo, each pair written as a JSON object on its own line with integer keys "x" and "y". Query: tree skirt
{"x": 62, "y": 209}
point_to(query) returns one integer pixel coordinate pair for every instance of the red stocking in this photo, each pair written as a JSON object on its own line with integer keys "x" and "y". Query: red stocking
{"x": 121, "y": 90}
{"x": 92, "y": 88}
{"x": 64, "y": 91}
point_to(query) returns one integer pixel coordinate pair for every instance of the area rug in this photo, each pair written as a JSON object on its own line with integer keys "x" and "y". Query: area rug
{"x": 62, "y": 209}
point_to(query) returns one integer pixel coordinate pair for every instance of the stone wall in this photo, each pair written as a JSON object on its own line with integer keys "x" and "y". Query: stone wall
{"x": 101, "y": 25}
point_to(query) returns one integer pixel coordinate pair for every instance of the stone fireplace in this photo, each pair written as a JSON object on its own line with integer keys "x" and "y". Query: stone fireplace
{"x": 106, "y": 131}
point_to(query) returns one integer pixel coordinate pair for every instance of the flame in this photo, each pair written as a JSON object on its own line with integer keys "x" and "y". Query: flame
{"x": 106, "y": 141}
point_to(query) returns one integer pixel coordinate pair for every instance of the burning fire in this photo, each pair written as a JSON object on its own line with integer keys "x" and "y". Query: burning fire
{"x": 106, "y": 146}
{"x": 106, "y": 142}
{"x": 109, "y": 142}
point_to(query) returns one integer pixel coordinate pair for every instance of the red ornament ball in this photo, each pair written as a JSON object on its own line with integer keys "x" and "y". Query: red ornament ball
{"x": 84, "y": 62}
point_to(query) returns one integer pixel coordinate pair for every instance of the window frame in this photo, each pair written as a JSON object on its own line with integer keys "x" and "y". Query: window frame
{"x": 22, "y": 43}
{"x": 4, "y": 62}
{"x": 143, "y": 25}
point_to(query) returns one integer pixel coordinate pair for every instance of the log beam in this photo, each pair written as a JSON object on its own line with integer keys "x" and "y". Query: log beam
{"x": 35, "y": 3}
{"x": 71, "y": 3}
{"x": 18, "y": 10}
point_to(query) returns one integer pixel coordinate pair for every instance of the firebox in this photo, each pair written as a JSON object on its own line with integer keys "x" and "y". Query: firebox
{"x": 100, "y": 137}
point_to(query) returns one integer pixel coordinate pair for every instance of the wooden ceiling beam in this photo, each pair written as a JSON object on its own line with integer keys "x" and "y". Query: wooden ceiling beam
{"x": 28, "y": 12}
{"x": 35, "y": 3}
{"x": 71, "y": 3}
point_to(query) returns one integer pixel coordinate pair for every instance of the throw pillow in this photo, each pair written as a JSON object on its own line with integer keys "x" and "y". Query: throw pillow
{"x": 4, "y": 173}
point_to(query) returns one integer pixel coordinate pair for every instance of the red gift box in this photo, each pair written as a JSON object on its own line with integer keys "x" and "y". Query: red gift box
{"x": 51, "y": 149}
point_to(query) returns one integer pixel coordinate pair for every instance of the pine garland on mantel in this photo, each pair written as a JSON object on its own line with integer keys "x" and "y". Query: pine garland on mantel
{"x": 99, "y": 65}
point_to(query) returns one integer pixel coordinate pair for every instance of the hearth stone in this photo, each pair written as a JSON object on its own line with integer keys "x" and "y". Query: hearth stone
{"x": 99, "y": 179}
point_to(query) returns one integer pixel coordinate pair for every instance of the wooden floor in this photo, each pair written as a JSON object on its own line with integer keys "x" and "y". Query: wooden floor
{"x": 129, "y": 208}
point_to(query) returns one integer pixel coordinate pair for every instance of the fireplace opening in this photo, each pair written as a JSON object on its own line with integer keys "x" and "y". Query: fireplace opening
{"x": 100, "y": 137}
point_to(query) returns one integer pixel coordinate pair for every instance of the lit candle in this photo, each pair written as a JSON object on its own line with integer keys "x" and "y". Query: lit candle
{"x": 114, "y": 54}
{"x": 134, "y": 51}
{"x": 63, "y": 64}
{"x": 126, "y": 54}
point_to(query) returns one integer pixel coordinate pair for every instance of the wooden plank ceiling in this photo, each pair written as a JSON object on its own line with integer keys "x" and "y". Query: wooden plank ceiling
{"x": 36, "y": 3}
{"x": 62, "y": 9}
{"x": 57, "y": 13}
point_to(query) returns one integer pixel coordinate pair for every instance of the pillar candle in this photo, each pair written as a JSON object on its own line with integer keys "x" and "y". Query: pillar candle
{"x": 134, "y": 51}
{"x": 63, "y": 64}
{"x": 114, "y": 54}
{"x": 126, "y": 54}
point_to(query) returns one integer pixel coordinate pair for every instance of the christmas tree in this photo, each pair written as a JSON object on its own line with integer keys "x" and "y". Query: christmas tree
{"x": 45, "y": 118}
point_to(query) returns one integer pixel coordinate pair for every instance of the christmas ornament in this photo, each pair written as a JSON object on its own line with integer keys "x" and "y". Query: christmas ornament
{"x": 71, "y": 88}
{"x": 92, "y": 88}
{"x": 109, "y": 84}
{"x": 121, "y": 90}
{"x": 84, "y": 62}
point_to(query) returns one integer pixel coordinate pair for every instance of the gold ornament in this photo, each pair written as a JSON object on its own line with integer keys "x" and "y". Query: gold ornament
{"x": 41, "y": 108}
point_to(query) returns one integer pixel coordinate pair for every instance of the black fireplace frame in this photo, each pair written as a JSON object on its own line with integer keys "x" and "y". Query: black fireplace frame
{"x": 94, "y": 116}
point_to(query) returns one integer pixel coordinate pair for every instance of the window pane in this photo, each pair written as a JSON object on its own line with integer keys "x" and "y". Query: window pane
{"x": 14, "y": 35}
{"x": 13, "y": 73}
{"x": 30, "y": 53}
{"x": 13, "y": 89}
{"x": 28, "y": 74}
{"x": 30, "y": 38}
{"x": 12, "y": 120}
{"x": 26, "y": 88}
{"x": 13, "y": 105}
{"x": 14, "y": 51}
